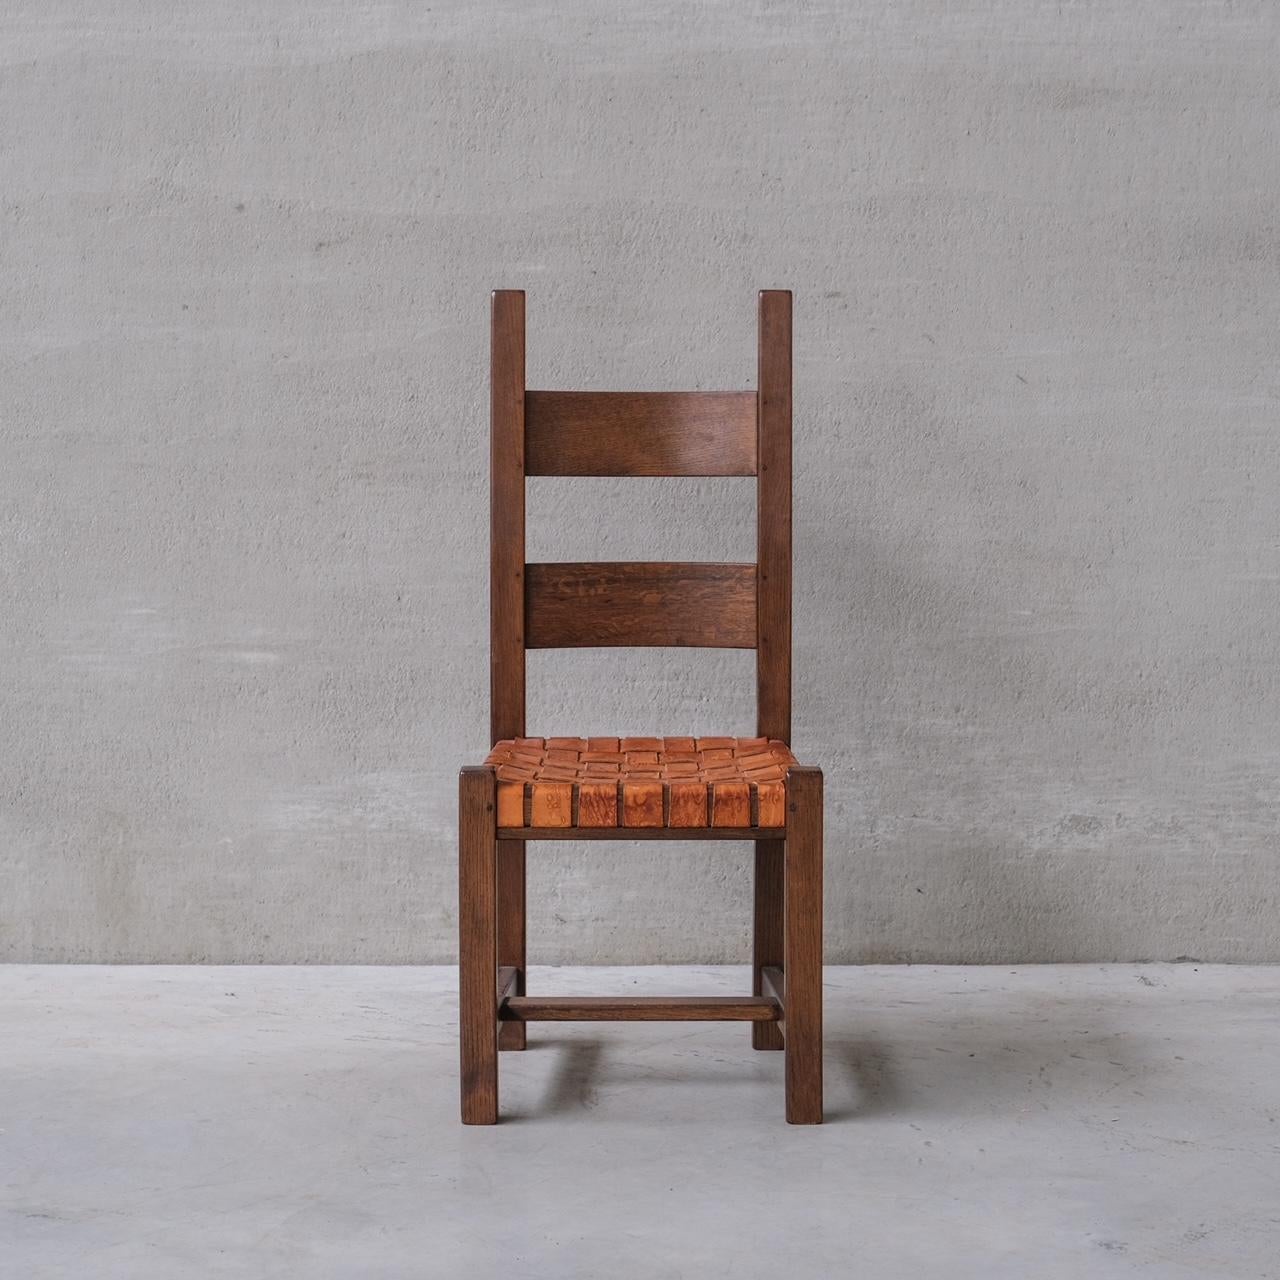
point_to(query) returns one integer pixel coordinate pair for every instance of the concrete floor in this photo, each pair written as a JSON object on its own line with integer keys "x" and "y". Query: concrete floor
{"x": 1030, "y": 1123}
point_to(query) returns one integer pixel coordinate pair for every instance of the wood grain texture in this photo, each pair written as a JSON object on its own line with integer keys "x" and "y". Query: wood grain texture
{"x": 506, "y": 516}
{"x": 640, "y": 604}
{"x": 641, "y": 833}
{"x": 802, "y": 946}
{"x": 640, "y": 433}
{"x": 773, "y": 518}
{"x": 478, "y": 945}
{"x": 639, "y": 1009}
{"x": 511, "y": 931}
{"x": 767, "y": 931}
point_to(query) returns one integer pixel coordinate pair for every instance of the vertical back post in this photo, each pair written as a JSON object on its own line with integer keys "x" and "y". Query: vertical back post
{"x": 506, "y": 516}
{"x": 773, "y": 518}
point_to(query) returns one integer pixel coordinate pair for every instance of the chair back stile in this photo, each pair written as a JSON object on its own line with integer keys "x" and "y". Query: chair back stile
{"x": 506, "y": 516}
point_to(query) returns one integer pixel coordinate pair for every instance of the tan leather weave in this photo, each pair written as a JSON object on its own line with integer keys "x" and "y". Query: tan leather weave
{"x": 641, "y": 782}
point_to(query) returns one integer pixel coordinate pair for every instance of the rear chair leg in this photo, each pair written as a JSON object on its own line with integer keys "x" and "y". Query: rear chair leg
{"x": 802, "y": 946}
{"x": 478, "y": 944}
{"x": 511, "y": 930}
{"x": 768, "y": 932}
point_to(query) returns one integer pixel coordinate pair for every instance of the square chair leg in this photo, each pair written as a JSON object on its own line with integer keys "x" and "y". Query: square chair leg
{"x": 767, "y": 930}
{"x": 802, "y": 947}
{"x": 478, "y": 944}
{"x": 511, "y": 930}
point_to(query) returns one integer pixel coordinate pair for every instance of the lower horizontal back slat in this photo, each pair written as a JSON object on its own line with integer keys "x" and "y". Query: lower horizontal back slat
{"x": 640, "y": 433}
{"x": 572, "y": 606}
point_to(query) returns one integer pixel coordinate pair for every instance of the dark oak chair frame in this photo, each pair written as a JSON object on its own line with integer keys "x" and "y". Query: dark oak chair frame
{"x": 641, "y": 434}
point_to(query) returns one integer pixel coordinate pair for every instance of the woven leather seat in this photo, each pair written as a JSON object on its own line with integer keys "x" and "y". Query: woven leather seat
{"x": 641, "y": 782}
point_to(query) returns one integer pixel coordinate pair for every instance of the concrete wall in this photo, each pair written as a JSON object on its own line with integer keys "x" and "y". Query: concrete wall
{"x": 245, "y": 254}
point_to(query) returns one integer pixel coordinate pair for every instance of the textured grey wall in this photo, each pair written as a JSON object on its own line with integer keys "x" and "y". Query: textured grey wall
{"x": 245, "y": 257}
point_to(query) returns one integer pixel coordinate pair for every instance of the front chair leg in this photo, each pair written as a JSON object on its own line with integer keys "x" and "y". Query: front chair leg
{"x": 478, "y": 944}
{"x": 802, "y": 946}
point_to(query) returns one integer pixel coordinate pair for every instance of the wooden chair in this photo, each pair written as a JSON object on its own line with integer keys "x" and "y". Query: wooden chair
{"x": 682, "y": 788}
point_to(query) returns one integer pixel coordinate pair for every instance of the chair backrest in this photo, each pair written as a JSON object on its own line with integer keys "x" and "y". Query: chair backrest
{"x": 637, "y": 433}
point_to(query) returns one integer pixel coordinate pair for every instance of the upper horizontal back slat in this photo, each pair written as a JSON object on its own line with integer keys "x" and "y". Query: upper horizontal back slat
{"x": 571, "y": 606}
{"x": 640, "y": 433}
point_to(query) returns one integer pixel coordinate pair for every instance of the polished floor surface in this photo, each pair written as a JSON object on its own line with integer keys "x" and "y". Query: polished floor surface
{"x": 1078, "y": 1122}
